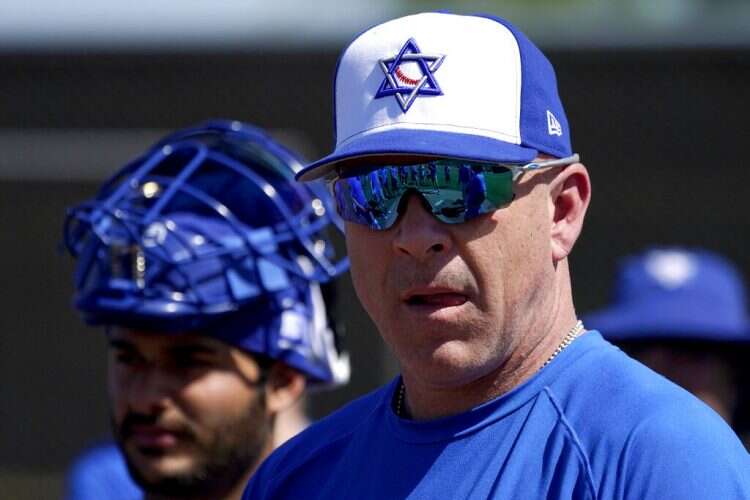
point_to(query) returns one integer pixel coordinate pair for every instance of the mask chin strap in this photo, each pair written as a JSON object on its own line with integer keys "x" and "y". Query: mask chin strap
{"x": 338, "y": 362}
{"x": 322, "y": 337}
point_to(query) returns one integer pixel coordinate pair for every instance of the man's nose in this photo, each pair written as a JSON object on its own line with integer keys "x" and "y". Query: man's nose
{"x": 150, "y": 391}
{"x": 420, "y": 234}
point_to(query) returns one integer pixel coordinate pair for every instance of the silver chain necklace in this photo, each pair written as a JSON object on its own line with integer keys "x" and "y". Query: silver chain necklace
{"x": 573, "y": 334}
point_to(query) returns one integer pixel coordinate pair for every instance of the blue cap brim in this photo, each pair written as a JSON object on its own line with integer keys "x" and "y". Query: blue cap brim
{"x": 420, "y": 143}
{"x": 681, "y": 319}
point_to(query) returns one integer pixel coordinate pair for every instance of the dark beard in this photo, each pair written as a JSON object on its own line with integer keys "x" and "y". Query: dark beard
{"x": 234, "y": 448}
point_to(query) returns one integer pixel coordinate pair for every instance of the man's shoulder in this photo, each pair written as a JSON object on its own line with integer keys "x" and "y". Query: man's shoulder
{"x": 625, "y": 416}
{"x": 321, "y": 438}
{"x": 619, "y": 386}
{"x": 649, "y": 406}
{"x": 106, "y": 452}
{"x": 604, "y": 387}
{"x": 100, "y": 472}
{"x": 667, "y": 442}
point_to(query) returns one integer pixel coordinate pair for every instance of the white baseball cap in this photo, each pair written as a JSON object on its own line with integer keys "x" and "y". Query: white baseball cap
{"x": 445, "y": 85}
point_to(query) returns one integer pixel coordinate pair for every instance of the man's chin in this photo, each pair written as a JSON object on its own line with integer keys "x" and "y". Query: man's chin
{"x": 153, "y": 471}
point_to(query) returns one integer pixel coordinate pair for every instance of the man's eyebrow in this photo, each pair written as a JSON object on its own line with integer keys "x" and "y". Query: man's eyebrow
{"x": 192, "y": 349}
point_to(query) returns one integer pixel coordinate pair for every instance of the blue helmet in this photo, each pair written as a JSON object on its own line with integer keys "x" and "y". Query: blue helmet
{"x": 209, "y": 231}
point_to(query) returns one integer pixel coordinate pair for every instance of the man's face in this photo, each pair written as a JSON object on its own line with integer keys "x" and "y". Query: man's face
{"x": 187, "y": 411}
{"x": 452, "y": 300}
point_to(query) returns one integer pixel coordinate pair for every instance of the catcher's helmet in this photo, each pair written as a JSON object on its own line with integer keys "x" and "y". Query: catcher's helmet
{"x": 208, "y": 231}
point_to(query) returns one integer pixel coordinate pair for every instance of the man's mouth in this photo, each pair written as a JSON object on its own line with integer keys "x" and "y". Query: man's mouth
{"x": 153, "y": 437}
{"x": 434, "y": 297}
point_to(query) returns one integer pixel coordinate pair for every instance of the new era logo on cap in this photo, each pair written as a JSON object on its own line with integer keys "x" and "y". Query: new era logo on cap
{"x": 445, "y": 85}
{"x": 553, "y": 126}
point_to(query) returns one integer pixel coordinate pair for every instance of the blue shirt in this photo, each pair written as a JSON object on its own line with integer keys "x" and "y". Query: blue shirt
{"x": 101, "y": 473}
{"x": 593, "y": 424}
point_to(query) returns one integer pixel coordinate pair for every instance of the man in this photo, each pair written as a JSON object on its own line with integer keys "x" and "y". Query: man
{"x": 202, "y": 258}
{"x": 683, "y": 313}
{"x": 462, "y": 265}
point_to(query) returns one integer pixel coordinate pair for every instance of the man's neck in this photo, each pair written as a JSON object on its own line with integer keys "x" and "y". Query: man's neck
{"x": 230, "y": 493}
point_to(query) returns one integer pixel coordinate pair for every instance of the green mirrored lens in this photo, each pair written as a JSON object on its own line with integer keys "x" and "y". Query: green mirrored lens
{"x": 455, "y": 190}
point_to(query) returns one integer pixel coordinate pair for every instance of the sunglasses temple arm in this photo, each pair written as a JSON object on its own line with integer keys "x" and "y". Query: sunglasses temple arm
{"x": 561, "y": 162}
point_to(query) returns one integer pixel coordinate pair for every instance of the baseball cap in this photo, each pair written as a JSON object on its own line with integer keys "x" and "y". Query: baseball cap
{"x": 438, "y": 84}
{"x": 675, "y": 294}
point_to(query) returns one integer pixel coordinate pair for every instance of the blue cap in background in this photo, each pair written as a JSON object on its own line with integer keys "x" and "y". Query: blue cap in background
{"x": 675, "y": 294}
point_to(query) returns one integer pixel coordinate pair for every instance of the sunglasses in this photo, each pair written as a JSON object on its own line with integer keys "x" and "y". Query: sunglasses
{"x": 455, "y": 190}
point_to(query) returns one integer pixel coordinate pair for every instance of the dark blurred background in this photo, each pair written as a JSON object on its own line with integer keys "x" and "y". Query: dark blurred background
{"x": 657, "y": 94}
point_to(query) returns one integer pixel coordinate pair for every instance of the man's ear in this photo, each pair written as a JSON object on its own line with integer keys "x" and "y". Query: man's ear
{"x": 570, "y": 194}
{"x": 284, "y": 386}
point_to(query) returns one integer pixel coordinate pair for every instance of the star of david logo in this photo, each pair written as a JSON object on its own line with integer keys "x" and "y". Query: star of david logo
{"x": 409, "y": 74}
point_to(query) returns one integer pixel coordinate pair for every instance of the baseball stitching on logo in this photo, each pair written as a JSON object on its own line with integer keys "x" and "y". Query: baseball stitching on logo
{"x": 405, "y": 79}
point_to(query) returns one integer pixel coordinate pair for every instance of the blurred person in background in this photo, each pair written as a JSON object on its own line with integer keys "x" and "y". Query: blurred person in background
{"x": 683, "y": 313}
{"x": 203, "y": 259}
